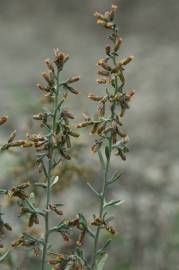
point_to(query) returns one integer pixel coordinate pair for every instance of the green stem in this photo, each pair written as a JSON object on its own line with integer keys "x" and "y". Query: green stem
{"x": 50, "y": 166}
{"x": 104, "y": 185}
{"x": 102, "y": 203}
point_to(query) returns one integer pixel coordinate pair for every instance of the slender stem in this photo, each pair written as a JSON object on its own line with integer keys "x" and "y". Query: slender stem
{"x": 48, "y": 174}
{"x": 106, "y": 171}
{"x": 102, "y": 201}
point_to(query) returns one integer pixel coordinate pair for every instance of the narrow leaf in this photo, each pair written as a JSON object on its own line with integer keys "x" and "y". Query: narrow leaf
{"x": 101, "y": 159}
{"x": 101, "y": 262}
{"x": 107, "y": 152}
{"x": 3, "y": 257}
{"x": 93, "y": 189}
{"x": 55, "y": 181}
{"x": 115, "y": 177}
{"x": 113, "y": 203}
{"x": 102, "y": 250}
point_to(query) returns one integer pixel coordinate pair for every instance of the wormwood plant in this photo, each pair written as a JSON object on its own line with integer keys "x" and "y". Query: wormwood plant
{"x": 52, "y": 150}
{"x": 106, "y": 125}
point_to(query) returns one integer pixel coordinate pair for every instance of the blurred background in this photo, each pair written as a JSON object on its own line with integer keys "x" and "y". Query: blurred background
{"x": 148, "y": 221}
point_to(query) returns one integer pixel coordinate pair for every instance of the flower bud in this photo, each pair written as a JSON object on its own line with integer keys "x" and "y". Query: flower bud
{"x": 100, "y": 16}
{"x": 41, "y": 87}
{"x": 94, "y": 97}
{"x": 48, "y": 76}
{"x": 127, "y": 60}
{"x": 104, "y": 81}
{"x": 74, "y": 134}
{"x": 3, "y": 119}
{"x": 108, "y": 50}
{"x": 49, "y": 65}
{"x": 118, "y": 44}
{"x": 103, "y": 73}
{"x": 73, "y": 79}
{"x": 84, "y": 124}
{"x": 12, "y": 136}
{"x": 117, "y": 68}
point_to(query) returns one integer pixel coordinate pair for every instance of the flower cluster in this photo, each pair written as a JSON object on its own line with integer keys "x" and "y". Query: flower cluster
{"x": 108, "y": 125}
{"x": 52, "y": 148}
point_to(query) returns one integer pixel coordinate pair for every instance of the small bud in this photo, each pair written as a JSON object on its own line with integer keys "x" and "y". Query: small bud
{"x": 54, "y": 208}
{"x": 110, "y": 229}
{"x": 114, "y": 8}
{"x": 49, "y": 65}
{"x": 101, "y": 109}
{"x": 104, "y": 81}
{"x": 94, "y": 97}
{"x": 127, "y": 60}
{"x": 109, "y": 25}
{"x": 118, "y": 44}
{"x": 103, "y": 63}
{"x": 84, "y": 124}
{"x": 48, "y": 76}
{"x": 117, "y": 68}
{"x": 108, "y": 129}
{"x": 3, "y": 119}
{"x": 71, "y": 89}
{"x": 100, "y": 16}
{"x": 101, "y": 22}
{"x": 67, "y": 114}
{"x": 103, "y": 73}
{"x": 39, "y": 116}
{"x": 41, "y": 87}
{"x": 74, "y": 134}
{"x": 12, "y": 136}
{"x": 94, "y": 129}
{"x": 108, "y": 50}
{"x": 100, "y": 129}
{"x": 73, "y": 79}
{"x": 96, "y": 146}
{"x": 24, "y": 185}
{"x": 130, "y": 94}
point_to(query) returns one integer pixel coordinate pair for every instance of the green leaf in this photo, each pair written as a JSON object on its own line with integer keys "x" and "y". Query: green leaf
{"x": 101, "y": 262}
{"x": 3, "y": 191}
{"x": 115, "y": 177}
{"x": 82, "y": 221}
{"x": 113, "y": 203}
{"x": 79, "y": 252}
{"x": 101, "y": 159}
{"x": 102, "y": 250}
{"x": 55, "y": 181}
{"x": 3, "y": 257}
{"x": 107, "y": 152}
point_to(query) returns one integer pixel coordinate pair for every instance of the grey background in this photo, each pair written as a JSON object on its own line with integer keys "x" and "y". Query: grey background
{"x": 28, "y": 32}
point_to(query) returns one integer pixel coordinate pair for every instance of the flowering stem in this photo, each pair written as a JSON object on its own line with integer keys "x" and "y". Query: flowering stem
{"x": 50, "y": 166}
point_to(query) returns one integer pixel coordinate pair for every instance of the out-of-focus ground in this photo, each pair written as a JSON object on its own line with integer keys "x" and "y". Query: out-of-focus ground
{"x": 148, "y": 221}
